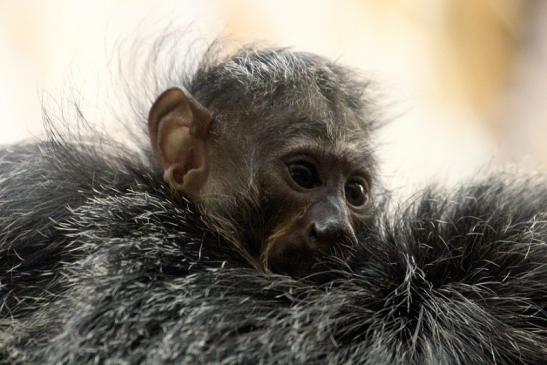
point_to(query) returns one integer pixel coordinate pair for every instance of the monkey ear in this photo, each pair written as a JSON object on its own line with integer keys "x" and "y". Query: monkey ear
{"x": 178, "y": 126}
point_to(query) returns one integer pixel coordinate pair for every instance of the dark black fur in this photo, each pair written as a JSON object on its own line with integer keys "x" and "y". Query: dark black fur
{"x": 101, "y": 263}
{"x": 132, "y": 275}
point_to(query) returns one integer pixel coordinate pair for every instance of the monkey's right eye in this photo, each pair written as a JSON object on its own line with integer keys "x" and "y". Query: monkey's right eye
{"x": 304, "y": 174}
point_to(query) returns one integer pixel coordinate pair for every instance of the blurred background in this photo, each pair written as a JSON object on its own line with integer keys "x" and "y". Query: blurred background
{"x": 464, "y": 83}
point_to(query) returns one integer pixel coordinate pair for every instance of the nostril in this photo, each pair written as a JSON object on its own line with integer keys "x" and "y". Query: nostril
{"x": 328, "y": 234}
{"x": 312, "y": 235}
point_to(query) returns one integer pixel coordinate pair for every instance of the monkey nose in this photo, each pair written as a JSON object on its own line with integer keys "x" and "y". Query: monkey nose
{"x": 327, "y": 234}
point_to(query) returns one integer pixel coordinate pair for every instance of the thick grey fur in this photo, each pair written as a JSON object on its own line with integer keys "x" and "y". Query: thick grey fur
{"x": 101, "y": 264}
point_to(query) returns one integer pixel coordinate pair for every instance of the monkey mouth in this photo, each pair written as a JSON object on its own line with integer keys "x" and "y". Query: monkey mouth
{"x": 294, "y": 259}
{"x": 288, "y": 254}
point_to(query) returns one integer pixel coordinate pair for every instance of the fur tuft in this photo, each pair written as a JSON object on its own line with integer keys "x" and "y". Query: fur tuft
{"x": 131, "y": 275}
{"x": 101, "y": 263}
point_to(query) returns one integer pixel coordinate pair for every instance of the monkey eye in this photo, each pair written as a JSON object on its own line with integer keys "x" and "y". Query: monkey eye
{"x": 304, "y": 174}
{"x": 355, "y": 193}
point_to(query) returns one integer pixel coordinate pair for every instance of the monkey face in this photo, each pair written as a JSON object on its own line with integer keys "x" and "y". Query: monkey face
{"x": 291, "y": 195}
{"x": 277, "y": 157}
{"x": 321, "y": 199}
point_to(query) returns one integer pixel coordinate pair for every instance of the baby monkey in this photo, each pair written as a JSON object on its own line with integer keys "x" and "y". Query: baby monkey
{"x": 274, "y": 148}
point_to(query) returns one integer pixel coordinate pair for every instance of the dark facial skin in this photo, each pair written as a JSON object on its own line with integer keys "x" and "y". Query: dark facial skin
{"x": 320, "y": 192}
{"x": 284, "y": 170}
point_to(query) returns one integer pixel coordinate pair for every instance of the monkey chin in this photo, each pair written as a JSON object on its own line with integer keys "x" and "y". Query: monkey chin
{"x": 293, "y": 261}
{"x": 293, "y": 258}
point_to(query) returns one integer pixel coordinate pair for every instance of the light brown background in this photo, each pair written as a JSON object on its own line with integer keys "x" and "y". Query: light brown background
{"x": 465, "y": 81}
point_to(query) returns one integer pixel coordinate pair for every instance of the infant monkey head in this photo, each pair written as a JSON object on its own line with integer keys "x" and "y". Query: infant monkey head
{"x": 274, "y": 147}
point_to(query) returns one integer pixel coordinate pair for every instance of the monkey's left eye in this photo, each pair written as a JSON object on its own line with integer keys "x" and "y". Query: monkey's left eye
{"x": 355, "y": 193}
{"x": 304, "y": 174}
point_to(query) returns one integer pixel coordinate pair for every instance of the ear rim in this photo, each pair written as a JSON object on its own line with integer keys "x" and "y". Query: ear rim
{"x": 180, "y": 110}
{"x": 171, "y": 99}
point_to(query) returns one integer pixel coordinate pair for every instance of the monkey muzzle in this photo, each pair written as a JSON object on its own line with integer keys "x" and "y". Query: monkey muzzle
{"x": 297, "y": 255}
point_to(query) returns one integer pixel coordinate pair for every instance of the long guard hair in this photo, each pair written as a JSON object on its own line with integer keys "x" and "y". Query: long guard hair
{"x": 101, "y": 263}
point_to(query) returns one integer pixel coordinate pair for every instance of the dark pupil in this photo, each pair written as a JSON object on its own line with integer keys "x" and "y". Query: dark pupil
{"x": 355, "y": 194}
{"x": 304, "y": 174}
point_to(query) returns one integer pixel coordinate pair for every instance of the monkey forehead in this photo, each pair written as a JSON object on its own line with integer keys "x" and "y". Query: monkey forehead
{"x": 342, "y": 142}
{"x": 322, "y": 123}
{"x": 260, "y": 79}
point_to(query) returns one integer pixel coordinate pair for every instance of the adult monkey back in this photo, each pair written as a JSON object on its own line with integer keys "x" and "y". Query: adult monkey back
{"x": 274, "y": 146}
